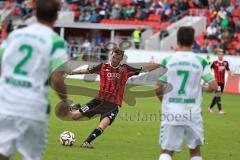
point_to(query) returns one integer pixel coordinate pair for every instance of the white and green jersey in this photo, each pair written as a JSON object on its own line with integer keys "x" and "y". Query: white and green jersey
{"x": 182, "y": 105}
{"x": 28, "y": 57}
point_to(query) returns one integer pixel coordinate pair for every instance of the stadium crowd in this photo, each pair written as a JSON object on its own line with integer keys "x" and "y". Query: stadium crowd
{"x": 222, "y": 17}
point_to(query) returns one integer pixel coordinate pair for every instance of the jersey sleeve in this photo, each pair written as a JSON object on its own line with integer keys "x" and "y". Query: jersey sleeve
{"x": 227, "y": 66}
{"x": 58, "y": 52}
{"x": 95, "y": 69}
{"x": 2, "y": 48}
{"x": 131, "y": 71}
{"x": 162, "y": 79}
{"x": 207, "y": 75}
{"x": 166, "y": 60}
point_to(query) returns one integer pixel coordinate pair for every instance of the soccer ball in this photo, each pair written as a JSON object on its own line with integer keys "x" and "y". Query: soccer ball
{"x": 67, "y": 138}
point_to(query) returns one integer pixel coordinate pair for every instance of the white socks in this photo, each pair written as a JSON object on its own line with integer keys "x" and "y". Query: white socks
{"x": 196, "y": 158}
{"x": 165, "y": 156}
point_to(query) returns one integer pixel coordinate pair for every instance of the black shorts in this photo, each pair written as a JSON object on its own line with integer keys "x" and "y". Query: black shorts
{"x": 221, "y": 86}
{"x": 100, "y": 108}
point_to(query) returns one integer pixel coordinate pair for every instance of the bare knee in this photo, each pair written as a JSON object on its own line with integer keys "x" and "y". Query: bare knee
{"x": 195, "y": 152}
{"x": 104, "y": 123}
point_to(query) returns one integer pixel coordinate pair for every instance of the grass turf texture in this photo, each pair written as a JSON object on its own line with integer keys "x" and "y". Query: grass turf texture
{"x": 137, "y": 138}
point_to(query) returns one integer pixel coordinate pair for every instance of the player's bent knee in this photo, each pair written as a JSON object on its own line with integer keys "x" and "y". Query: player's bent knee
{"x": 3, "y": 157}
{"x": 105, "y": 123}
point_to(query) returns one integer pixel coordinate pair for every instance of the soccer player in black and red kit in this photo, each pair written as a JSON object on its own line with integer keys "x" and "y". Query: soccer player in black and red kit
{"x": 219, "y": 66}
{"x": 113, "y": 78}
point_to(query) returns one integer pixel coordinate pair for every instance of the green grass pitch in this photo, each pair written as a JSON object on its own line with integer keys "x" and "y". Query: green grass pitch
{"x": 137, "y": 138}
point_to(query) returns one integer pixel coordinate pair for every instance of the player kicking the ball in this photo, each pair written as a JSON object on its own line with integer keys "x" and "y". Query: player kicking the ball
{"x": 27, "y": 57}
{"x": 181, "y": 107}
{"x": 113, "y": 78}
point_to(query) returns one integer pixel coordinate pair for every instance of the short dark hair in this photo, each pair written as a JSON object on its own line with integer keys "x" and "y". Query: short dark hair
{"x": 185, "y": 36}
{"x": 47, "y": 10}
{"x": 220, "y": 51}
{"x": 118, "y": 51}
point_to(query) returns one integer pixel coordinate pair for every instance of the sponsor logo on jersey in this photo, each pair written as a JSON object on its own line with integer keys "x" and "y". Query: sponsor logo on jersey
{"x": 111, "y": 76}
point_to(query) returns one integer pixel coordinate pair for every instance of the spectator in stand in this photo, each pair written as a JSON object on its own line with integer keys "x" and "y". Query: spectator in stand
{"x": 155, "y": 7}
{"x": 210, "y": 48}
{"x": 175, "y": 12}
{"x": 167, "y": 7}
{"x": 213, "y": 12}
{"x": 99, "y": 40}
{"x": 103, "y": 53}
{"x": 138, "y": 13}
{"x": 103, "y": 14}
{"x": 148, "y": 3}
{"x": 223, "y": 44}
{"x": 204, "y": 47}
{"x": 231, "y": 7}
{"x": 143, "y": 14}
{"x": 196, "y": 47}
{"x": 205, "y": 3}
{"x": 207, "y": 15}
{"x": 197, "y": 3}
{"x": 219, "y": 32}
{"x": 87, "y": 47}
{"x": 217, "y": 21}
{"x": 231, "y": 26}
{"x": 85, "y": 17}
{"x": 224, "y": 23}
{"x": 115, "y": 13}
{"x": 94, "y": 18}
{"x": 128, "y": 12}
{"x": 222, "y": 13}
{"x": 141, "y": 3}
{"x": 166, "y": 11}
{"x": 211, "y": 31}
{"x": 183, "y": 5}
{"x": 218, "y": 4}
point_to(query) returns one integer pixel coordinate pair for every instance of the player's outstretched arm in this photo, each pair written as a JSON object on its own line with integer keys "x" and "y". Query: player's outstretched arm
{"x": 90, "y": 70}
{"x": 85, "y": 71}
{"x": 150, "y": 67}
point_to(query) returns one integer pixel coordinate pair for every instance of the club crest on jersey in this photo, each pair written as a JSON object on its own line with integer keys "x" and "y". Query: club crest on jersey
{"x": 121, "y": 69}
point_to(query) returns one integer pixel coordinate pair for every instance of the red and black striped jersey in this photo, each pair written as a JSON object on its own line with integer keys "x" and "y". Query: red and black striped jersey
{"x": 113, "y": 81}
{"x": 219, "y": 68}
